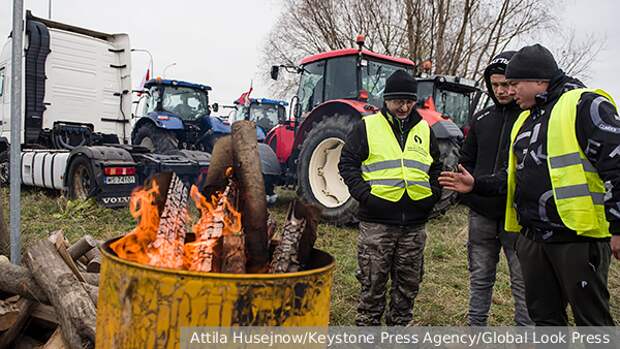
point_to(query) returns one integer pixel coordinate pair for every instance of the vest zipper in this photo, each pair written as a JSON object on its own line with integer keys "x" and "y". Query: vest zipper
{"x": 501, "y": 140}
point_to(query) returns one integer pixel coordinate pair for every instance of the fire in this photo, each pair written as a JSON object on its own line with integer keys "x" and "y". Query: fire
{"x": 160, "y": 239}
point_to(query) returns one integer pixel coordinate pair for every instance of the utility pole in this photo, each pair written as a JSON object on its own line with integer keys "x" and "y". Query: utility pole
{"x": 17, "y": 47}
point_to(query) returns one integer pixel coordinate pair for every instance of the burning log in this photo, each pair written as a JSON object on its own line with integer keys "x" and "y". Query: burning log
{"x": 297, "y": 238}
{"x": 167, "y": 249}
{"x": 218, "y": 219}
{"x": 73, "y": 304}
{"x": 252, "y": 194}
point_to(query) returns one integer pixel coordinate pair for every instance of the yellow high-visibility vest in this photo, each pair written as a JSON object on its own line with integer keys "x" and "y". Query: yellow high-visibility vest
{"x": 391, "y": 171}
{"x": 578, "y": 190}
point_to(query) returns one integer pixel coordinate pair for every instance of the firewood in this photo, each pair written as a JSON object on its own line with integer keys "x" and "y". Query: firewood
{"x": 296, "y": 241}
{"x": 167, "y": 249}
{"x": 74, "y": 307}
{"x": 8, "y": 337}
{"x": 9, "y": 312}
{"x": 286, "y": 257}
{"x": 91, "y": 278}
{"x": 233, "y": 259}
{"x": 94, "y": 265}
{"x": 58, "y": 239}
{"x": 253, "y": 203}
{"x": 90, "y": 255}
{"x": 15, "y": 279}
{"x": 221, "y": 159}
{"x": 55, "y": 341}
{"x": 80, "y": 247}
{"x": 44, "y": 312}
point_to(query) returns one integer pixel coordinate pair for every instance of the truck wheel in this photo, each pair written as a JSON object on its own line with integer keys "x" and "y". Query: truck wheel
{"x": 156, "y": 140}
{"x": 319, "y": 180}
{"x": 5, "y": 169}
{"x": 81, "y": 183}
{"x": 450, "y": 153}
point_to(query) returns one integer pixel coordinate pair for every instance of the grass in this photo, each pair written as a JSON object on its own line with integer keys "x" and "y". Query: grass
{"x": 443, "y": 298}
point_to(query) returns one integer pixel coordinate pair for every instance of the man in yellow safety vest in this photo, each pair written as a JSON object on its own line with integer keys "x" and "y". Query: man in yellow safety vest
{"x": 390, "y": 163}
{"x": 563, "y": 190}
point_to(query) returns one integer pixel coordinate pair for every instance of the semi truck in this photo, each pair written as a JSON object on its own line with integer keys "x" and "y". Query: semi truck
{"x": 76, "y": 116}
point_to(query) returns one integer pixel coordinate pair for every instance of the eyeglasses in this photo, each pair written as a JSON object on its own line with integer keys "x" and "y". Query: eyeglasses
{"x": 400, "y": 102}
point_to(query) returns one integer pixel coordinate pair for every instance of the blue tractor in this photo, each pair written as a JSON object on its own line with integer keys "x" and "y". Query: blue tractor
{"x": 266, "y": 113}
{"x": 175, "y": 115}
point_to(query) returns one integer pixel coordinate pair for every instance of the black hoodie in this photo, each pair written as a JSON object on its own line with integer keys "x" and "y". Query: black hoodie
{"x": 598, "y": 134}
{"x": 372, "y": 208}
{"x": 485, "y": 150}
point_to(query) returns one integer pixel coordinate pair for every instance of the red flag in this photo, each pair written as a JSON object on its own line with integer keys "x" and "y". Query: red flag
{"x": 244, "y": 99}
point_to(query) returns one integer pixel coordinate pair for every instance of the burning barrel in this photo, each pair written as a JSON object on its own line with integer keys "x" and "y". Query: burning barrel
{"x": 145, "y": 307}
{"x": 234, "y": 268}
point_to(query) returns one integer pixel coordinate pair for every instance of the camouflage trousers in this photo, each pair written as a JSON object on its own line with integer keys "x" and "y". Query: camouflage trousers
{"x": 389, "y": 252}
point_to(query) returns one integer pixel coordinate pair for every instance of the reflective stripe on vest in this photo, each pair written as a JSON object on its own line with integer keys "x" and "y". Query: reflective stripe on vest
{"x": 578, "y": 191}
{"x": 391, "y": 171}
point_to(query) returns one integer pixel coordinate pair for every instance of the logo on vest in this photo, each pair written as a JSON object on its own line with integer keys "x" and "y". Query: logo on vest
{"x": 417, "y": 139}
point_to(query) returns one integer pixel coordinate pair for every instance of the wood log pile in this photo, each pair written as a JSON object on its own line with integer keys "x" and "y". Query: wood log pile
{"x": 49, "y": 302}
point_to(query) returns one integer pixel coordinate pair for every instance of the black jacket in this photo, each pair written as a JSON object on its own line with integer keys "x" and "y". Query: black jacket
{"x": 485, "y": 151}
{"x": 598, "y": 134}
{"x": 372, "y": 208}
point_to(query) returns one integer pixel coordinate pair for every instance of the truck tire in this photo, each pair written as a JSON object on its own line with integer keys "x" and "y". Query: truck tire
{"x": 5, "y": 169}
{"x": 449, "y": 154}
{"x": 156, "y": 140}
{"x": 81, "y": 183}
{"x": 318, "y": 178}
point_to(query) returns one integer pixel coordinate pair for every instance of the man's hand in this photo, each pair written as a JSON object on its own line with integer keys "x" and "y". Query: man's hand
{"x": 462, "y": 182}
{"x": 615, "y": 246}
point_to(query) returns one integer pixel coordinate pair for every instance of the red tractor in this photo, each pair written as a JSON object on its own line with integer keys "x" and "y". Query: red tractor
{"x": 336, "y": 89}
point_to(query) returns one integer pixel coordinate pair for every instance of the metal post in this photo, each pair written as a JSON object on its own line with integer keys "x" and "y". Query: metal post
{"x": 49, "y": 9}
{"x": 16, "y": 118}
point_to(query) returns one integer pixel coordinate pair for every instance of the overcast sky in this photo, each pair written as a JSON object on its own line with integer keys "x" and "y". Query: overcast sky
{"x": 218, "y": 42}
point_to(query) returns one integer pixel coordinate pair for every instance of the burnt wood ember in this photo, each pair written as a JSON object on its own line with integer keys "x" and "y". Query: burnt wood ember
{"x": 167, "y": 249}
{"x": 296, "y": 240}
{"x": 73, "y": 304}
{"x": 221, "y": 160}
{"x": 253, "y": 203}
{"x": 233, "y": 249}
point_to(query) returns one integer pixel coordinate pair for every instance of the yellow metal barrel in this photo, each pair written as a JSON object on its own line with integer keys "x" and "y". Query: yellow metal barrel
{"x": 144, "y": 307}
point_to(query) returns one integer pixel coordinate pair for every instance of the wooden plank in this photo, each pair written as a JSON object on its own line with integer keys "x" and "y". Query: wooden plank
{"x": 9, "y": 312}
{"x": 44, "y": 312}
{"x": 75, "y": 310}
{"x": 8, "y": 338}
{"x": 55, "y": 341}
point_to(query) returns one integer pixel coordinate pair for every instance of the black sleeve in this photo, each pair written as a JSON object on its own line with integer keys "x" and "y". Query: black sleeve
{"x": 355, "y": 151}
{"x": 436, "y": 167}
{"x": 492, "y": 185}
{"x": 598, "y": 133}
{"x": 469, "y": 151}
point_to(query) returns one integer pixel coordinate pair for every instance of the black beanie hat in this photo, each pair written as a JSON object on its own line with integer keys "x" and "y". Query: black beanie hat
{"x": 532, "y": 63}
{"x": 400, "y": 85}
{"x": 498, "y": 63}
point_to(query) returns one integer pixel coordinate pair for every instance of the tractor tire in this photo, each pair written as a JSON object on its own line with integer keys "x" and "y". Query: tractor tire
{"x": 81, "y": 183}
{"x": 450, "y": 151}
{"x": 156, "y": 140}
{"x": 5, "y": 169}
{"x": 318, "y": 178}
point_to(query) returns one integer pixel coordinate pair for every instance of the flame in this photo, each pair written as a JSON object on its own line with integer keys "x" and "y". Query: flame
{"x": 151, "y": 244}
{"x": 218, "y": 219}
{"x": 135, "y": 245}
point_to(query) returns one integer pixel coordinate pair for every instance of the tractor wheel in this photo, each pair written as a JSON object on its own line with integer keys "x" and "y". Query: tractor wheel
{"x": 319, "y": 180}
{"x": 5, "y": 169}
{"x": 449, "y": 154}
{"x": 81, "y": 183}
{"x": 156, "y": 140}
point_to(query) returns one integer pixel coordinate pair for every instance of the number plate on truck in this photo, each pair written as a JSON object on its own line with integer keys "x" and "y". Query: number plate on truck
{"x": 120, "y": 180}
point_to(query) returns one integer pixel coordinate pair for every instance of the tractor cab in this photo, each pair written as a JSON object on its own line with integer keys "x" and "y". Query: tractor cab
{"x": 173, "y": 114}
{"x": 267, "y": 113}
{"x": 453, "y": 97}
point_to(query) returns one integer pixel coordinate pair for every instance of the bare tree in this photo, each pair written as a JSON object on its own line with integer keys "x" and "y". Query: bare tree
{"x": 459, "y": 36}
